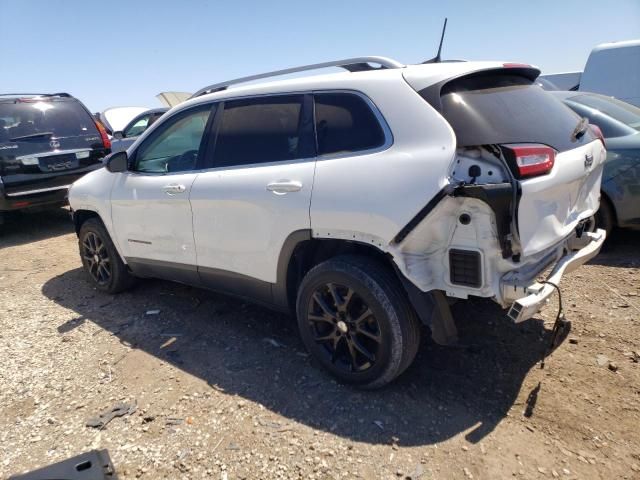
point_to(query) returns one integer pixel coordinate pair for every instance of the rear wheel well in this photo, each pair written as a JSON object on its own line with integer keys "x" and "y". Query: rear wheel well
{"x": 604, "y": 197}
{"x": 81, "y": 216}
{"x": 309, "y": 253}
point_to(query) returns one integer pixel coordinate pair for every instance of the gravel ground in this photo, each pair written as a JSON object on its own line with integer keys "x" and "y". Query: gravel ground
{"x": 225, "y": 390}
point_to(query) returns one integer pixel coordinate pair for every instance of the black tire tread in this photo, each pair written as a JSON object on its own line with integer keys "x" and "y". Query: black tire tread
{"x": 605, "y": 216}
{"x": 384, "y": 285}
{"x": 122, "y": 279}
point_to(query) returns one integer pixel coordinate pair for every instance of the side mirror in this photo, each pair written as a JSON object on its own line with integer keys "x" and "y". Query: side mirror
{"x": 118, "y": 162}
{"x": 118, "y": 135}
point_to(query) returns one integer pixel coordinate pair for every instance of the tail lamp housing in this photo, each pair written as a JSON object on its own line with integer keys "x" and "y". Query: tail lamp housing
{"x": 598, "y": 133}
{"x": 530, "y": 160}
{"x": 106, "y": 141}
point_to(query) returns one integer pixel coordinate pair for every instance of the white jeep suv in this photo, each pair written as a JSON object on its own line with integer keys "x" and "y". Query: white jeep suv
{"x": 359, "y": 200}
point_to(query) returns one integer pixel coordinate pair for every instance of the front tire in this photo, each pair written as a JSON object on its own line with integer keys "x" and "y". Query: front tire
{"x": 100, "y": 259}
{"x": 355, "y": 319}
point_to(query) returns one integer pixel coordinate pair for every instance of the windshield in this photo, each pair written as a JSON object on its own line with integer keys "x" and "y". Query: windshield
{"x": 37, "y": 118}
{"x": 501, "y": 107}
{"x": 617, "y": 109}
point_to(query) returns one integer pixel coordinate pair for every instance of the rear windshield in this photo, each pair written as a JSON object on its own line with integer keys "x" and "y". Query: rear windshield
{"x": 621, "y": 111}
{"x": 61, "y": 117}
{"x": 490, "y": 108}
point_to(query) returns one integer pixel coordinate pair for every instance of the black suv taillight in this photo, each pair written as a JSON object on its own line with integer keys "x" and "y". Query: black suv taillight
{"x": 106, "y": 142}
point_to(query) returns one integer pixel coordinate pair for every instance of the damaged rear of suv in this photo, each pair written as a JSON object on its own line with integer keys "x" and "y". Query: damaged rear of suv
{"x": 519, "y": 198}
{"x": 359, "y": 201}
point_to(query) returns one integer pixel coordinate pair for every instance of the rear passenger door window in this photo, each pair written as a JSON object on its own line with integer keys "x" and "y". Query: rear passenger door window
{"x": 345, "y": 123}
{"x": 261, "y": 130}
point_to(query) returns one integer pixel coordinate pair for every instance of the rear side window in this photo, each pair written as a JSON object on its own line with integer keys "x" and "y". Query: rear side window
{"x": 61, "y": 117}
{"x": 502, "y": 108}
{"x": 259, "y": 130}
{"x": 345, "y": 123}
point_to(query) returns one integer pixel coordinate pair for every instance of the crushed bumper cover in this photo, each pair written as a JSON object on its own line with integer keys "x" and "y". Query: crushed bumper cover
{"x": 536, "y": 294}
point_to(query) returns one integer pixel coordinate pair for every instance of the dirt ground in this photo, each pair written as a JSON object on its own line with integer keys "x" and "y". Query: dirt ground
{"x": 225, "y": 390}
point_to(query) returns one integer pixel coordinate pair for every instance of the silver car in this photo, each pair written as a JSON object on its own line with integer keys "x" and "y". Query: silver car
{"x": 122, "y": 139}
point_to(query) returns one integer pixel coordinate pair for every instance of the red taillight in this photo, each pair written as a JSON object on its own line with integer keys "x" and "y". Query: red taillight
{"x": 106, "y": 142}
{"x": 533, "y": 160}
{"x": 598, "y": 133}
{"x": 516, "y": 65}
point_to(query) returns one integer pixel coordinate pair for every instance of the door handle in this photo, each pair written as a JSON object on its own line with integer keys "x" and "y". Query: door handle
{"x": 282, "y": 187}
{"x": 174, "y": 188}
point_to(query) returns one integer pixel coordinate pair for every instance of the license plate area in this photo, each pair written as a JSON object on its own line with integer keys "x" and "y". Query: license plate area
{"x": 58, "y": 163}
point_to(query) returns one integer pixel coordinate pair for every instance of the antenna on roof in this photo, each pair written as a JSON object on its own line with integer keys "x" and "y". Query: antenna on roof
{"x": 436, "y": 59}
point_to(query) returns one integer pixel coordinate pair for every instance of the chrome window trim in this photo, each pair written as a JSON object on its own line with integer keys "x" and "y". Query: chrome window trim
{"x": 388, "y": 134}
{"x": 39, "y": 190}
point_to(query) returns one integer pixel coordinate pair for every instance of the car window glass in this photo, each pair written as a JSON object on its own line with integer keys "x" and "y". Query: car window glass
{"x": 63, "y": 118}
{"x": 345, "y": 123}
{"x": 621, "y": 111}
{"x": 610, "y": 127}
{"x": 501, "y": 106}
{"x": 259, "y": 130}
{"x": 138, "y": 127}
{"x": 175, "y": 147}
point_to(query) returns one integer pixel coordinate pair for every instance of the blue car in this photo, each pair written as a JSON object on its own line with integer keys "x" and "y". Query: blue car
{"x": 620, "y": 125}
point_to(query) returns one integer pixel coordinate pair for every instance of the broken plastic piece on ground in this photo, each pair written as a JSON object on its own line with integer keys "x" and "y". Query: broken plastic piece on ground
{"x": 174, "y": 421}
{"x": 152, "y": 312}
{"x": 273, "y": 342}
{"x": 118, "y": 410}
{"x": 93, "y": 465}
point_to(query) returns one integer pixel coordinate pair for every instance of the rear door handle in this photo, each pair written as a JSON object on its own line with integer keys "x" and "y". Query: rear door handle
{"x": 174, "y": 188}
{"x": 282, "y": 187}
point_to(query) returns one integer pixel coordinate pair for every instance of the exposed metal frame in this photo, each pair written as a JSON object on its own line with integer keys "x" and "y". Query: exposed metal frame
{"x": 356, "y": 64}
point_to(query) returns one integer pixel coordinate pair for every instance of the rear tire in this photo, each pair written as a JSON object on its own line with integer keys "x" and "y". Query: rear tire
{"x": 355, "y": 319}
{"x": 605, "y": 216}
{"x": 100, "y": 259}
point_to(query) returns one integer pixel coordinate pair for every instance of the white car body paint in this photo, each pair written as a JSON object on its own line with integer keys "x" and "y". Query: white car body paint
{"x": 239, "y": 225}
{"x": 93, "y": 193}
{"x": 552, "y": 205}
{"x": 228, "y": 220}
{"x": 148, "y": 222}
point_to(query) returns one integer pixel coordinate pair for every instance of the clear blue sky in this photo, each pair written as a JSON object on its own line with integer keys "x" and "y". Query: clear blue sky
{"x": 110, "y": 53}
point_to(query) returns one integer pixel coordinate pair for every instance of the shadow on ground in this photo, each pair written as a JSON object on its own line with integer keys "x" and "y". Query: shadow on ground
{"x": 255, "y": 353}
{"x": 622, "y": 249}
{"x": 25, "y": 227}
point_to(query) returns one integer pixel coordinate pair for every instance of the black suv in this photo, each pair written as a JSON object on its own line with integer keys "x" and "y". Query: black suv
{"x": 47, "y": 141}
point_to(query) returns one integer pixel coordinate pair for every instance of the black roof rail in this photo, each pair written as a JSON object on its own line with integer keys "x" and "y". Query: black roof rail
{"x": 357, "y": 64}
{"x": 60, "y": 94}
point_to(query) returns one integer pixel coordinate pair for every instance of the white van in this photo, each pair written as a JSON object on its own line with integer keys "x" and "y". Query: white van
{"x": 614, "y": 69}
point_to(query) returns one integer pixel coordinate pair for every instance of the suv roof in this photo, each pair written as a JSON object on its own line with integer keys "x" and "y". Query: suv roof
{"x": 11, "y": 97}
{"x": 359, "y": 69}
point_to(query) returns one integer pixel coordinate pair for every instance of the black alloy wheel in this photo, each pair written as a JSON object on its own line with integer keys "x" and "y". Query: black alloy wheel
{"x": 355, "y": 319}
{"x": 95, "y": 253}
{"x": 100, "y": 259}
{"x": 345, "y": 326}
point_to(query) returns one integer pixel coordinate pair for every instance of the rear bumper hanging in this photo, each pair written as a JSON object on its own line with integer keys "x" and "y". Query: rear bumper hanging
{"x": 581, "y": 251}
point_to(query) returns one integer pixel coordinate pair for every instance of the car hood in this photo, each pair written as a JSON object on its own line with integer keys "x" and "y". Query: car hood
{"x": 116, "y": 118}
